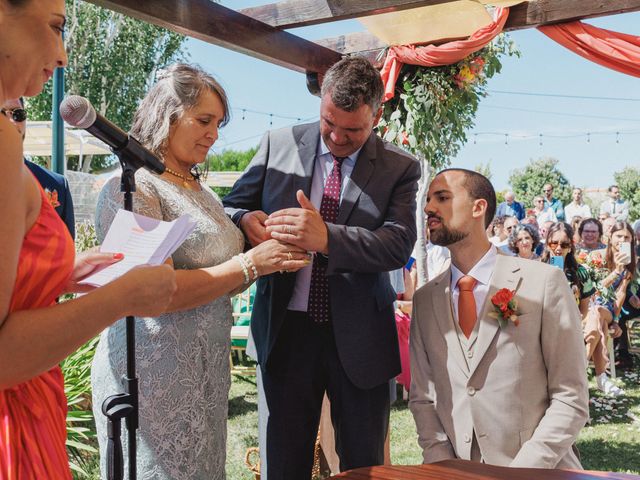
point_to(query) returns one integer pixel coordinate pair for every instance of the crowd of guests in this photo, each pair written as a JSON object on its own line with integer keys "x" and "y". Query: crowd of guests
{"x": 550, "y": 230}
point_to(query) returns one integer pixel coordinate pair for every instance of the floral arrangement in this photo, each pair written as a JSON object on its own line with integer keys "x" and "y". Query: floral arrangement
{"x": 434, "y": 107}
{"x": 505, "y": 307}
{"x": 595, "y": 265}
{"x": 52, "y": 196}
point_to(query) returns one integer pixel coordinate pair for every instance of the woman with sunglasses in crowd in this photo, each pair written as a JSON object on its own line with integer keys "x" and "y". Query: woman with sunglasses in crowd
{"x": 596, "y": 320}
{"x": 38, "y": 264}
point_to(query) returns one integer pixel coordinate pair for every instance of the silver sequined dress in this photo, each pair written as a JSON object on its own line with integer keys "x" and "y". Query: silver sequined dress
{"x": 182, "y": 357}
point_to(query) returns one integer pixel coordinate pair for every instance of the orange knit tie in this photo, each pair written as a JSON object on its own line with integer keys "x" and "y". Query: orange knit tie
{"x": 466, "y": 304}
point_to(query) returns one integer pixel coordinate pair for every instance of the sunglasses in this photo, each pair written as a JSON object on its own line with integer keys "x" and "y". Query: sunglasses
{"x": 17, "y": 114}
{"x": 563, "y": 245}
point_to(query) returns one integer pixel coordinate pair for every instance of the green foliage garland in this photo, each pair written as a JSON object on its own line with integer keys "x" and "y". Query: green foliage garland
{"x": 434, "y": 107}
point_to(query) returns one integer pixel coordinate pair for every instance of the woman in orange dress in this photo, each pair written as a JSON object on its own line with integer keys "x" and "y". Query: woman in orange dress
{"x": 37, "y": 265}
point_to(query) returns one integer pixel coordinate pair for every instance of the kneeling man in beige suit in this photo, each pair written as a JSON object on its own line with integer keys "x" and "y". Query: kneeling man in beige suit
{"x": 506, "y": 388}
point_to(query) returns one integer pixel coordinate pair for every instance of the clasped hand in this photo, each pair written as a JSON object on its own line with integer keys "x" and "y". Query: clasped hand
{"x": 302, "y": 227}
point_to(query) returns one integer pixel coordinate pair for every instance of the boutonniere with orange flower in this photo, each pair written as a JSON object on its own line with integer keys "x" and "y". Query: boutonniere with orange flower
{"x": 52, "y": 196}
{"x": 505, "y": 307}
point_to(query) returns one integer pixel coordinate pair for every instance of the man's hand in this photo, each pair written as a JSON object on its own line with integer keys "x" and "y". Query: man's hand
{"x": 302, "y": 226}
{"x": 252, "y": 224}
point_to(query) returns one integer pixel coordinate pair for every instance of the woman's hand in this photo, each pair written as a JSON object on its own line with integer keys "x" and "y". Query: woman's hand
{"x": 615, "y": 330}
{"x": 146, "y": 291}
{"x": 272, "y": 256}
{"x": 635, "y": 302}
{"x": 86, "y": 264}
{"x": 621, "y": 260}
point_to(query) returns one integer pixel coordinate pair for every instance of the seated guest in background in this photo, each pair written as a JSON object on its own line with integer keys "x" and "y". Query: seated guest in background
{"x": 55, "y": 185}
{"x": 509, "y": 224}
{"x": 523, "y": 241}
{"x": 636, "y": 232}
{"x": 577, "y": 208}
{"x": 615, "y": 206}
{"x": 553, "y": 203}
{"x": 542, "y": 233}
{"x": 543, "y": 212}
{"x": 630, "y": 310}
{"x": 500, "y": 390}
{"x": 496, "y": 234}
{"x": 596, "y": 321}
{"x": 602, "y": 216}
{"x": 590, "y": 232}
{"x": 510, "y": 208}
{"x": 607, "y": 225}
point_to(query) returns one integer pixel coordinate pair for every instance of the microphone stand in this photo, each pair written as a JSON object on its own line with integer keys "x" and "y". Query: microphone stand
{"x": 124, "y": 405}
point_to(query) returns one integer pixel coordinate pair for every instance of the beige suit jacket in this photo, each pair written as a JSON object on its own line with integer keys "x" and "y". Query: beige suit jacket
{"x": 523, "y": 393}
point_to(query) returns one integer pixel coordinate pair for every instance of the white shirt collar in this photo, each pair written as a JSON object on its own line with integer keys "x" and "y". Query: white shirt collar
{"x": 481, "y": 271}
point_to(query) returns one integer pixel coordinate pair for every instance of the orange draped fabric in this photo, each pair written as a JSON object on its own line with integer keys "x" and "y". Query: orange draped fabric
{"x": 618, "y": 51}
{"x": 33, "y": 413}
{"x": 435, "y": 56}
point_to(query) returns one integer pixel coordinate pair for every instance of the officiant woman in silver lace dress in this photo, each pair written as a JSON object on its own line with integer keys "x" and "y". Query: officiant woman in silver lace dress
{"x": 183, "y": 355}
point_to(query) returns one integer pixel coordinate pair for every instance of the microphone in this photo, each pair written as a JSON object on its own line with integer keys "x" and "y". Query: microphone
{"x": 78, "y": 112}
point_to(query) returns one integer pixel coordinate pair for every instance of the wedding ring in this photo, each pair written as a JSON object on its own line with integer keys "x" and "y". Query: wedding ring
{"x": 289, "y": 256}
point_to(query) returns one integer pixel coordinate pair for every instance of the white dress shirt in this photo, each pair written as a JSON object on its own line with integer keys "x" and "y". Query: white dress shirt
{"x": 437, "y": 258}
{"x": 574, "y": 210}
{"x": 546, "y": 215}
{"x": 482, "y": 272}
{"x": 321, "y": 169}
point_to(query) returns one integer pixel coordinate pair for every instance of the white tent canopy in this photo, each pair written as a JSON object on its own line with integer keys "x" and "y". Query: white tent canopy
{"x": 39, "y": 140}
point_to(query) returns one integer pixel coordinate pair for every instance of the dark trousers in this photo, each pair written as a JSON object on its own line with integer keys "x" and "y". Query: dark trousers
{"x": 303, "y": 365}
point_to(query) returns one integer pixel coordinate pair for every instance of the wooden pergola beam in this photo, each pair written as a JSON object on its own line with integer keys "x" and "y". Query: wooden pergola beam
{"x": 544, "y": 12}
{"x": 301, "y": 13}
{"x": 526, "y": 15}
{"x": 213, "y": 23}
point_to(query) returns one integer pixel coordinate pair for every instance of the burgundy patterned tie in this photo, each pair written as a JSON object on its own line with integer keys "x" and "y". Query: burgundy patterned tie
{"x": 318, "y": 308}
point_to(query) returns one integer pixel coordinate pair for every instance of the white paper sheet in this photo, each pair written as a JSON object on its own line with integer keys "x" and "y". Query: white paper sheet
{"x": 142, "y": 240}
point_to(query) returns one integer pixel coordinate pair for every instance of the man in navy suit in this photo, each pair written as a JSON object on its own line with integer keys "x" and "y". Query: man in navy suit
{"x": 332, "y": 187}
{"x": 55, "y": 185}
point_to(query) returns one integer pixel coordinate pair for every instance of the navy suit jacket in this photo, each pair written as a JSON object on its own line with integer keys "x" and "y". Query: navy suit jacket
{"x": 374, "y": 233}
{"x": 54, "y": 182}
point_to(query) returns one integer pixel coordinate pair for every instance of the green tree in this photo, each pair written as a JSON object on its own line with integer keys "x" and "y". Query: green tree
{"x": 527, "y": 182}
{"x": 628, "y": 181}
{"x": 229, "y": 161}
{"x": 113, "y": 60}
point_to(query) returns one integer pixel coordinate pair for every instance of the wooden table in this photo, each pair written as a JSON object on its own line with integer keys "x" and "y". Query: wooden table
{"x": 465, "y": 470}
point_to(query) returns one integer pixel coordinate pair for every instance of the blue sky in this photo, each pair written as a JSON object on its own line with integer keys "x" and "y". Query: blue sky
{"x": 545, "y": 67}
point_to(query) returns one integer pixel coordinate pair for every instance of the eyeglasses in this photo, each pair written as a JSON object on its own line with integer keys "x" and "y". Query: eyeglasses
{"x": 563, "y": 245}
{"x": 508, "y": 229}
{"x": 17, "y": 114}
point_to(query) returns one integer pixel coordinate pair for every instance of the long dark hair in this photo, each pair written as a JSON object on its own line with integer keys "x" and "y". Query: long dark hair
{"x": 631, "y": 268}
{"x": 570, "y": 262}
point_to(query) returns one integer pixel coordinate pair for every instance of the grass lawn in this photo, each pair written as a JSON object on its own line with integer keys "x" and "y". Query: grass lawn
{"x": 610, "y": 442}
